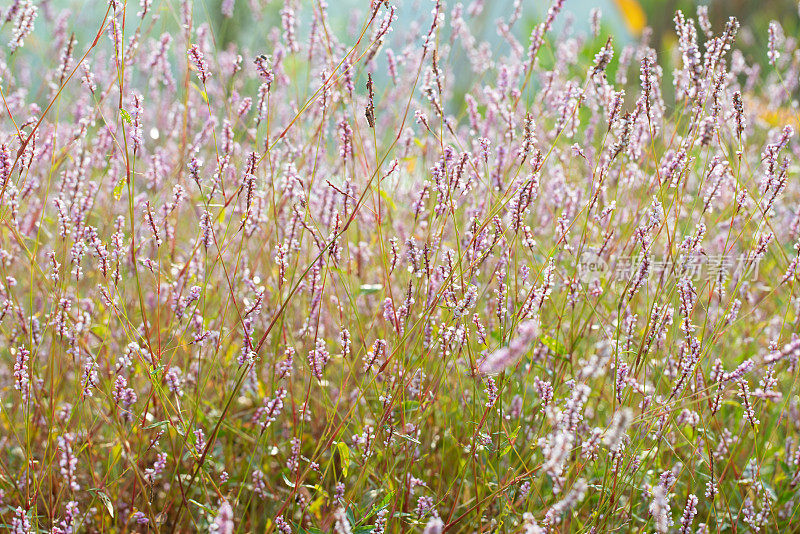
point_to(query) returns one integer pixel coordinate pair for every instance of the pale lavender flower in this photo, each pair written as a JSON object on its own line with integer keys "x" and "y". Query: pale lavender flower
{"x": 272, "y": 408}
{"x": 198, "y": 60}
{"x": 124, "y": 396}
{"x": 289, "y": 23}
{"x": 226, "y": 8}
{"x": 747, "y": 402}
{"x": 317, "y": 359}
{"x": 574, "y": 497}
{"x": 152, "y": 473}
{"x": 282, "y": 526}
{"x": 223, "y": 522}
{"x": 22, "y": 381}
{"x": 342, "y": 523}
{"x": 595, "y": 18}
{"x": 68, "y": 462}
{"x": 20, "y": 523}
{"x": 345, "y": 140}
{"x": 23, "y": 24}
{"x": 775, "y": 38}
{"x": 435, "y": 525}
{"x": 136, "y": 106}
{"x": 145, "y": 5}
{"x": 619, "y": 425}
{"x": 688, "y": 515}
{"x": 504, "y": 357}
{"x": 659, "y": 509}
{"x": 264, "y": 68}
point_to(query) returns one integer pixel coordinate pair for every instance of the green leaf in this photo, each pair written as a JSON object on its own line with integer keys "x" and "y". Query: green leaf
{"x": 388, "y": 199}
{"x": 386, "y": 500}
{"x": 118, "y": 189}
{"x": 409, "y": 438}
{"x": 155, "y": 425}
{"x": 552, "y": 344}
{"x": 410, "y": 406}
{"x": 344, "y": 456}
{"x": 381, "y": 505}
{"x": 203, "y": 506}
{"x": 125, "y": 116}
{"x": 106, "y": 500}
{"x": 368, "y": 289}
{"x": 510, "y": 445}
{"x": 101, "y": 330}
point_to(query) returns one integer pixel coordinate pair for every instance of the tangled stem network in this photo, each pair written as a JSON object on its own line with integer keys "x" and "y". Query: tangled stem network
{"x": 395, "y": 277}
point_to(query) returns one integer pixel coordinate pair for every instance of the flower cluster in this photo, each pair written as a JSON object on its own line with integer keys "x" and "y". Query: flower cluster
{"x": 345, "y": 279}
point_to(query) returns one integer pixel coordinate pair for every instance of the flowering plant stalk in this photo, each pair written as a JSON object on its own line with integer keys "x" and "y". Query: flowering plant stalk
{"x": 395, "y": 278}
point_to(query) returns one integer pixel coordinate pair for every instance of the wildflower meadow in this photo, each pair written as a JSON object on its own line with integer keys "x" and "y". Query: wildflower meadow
{"x": 407, "y": 267}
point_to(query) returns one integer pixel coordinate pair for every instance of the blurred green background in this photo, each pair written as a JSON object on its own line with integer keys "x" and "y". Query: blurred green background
{"x": 253, "y": 21}
{"x": 624, "y": 18}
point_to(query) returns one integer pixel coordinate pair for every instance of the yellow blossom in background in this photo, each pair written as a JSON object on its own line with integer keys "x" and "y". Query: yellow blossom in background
{"x": 774, "y": 116}
{"x": 633, "y": 15}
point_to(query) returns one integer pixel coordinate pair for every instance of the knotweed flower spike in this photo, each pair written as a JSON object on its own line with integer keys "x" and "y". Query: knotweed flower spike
{"x": 448, "y": 267}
